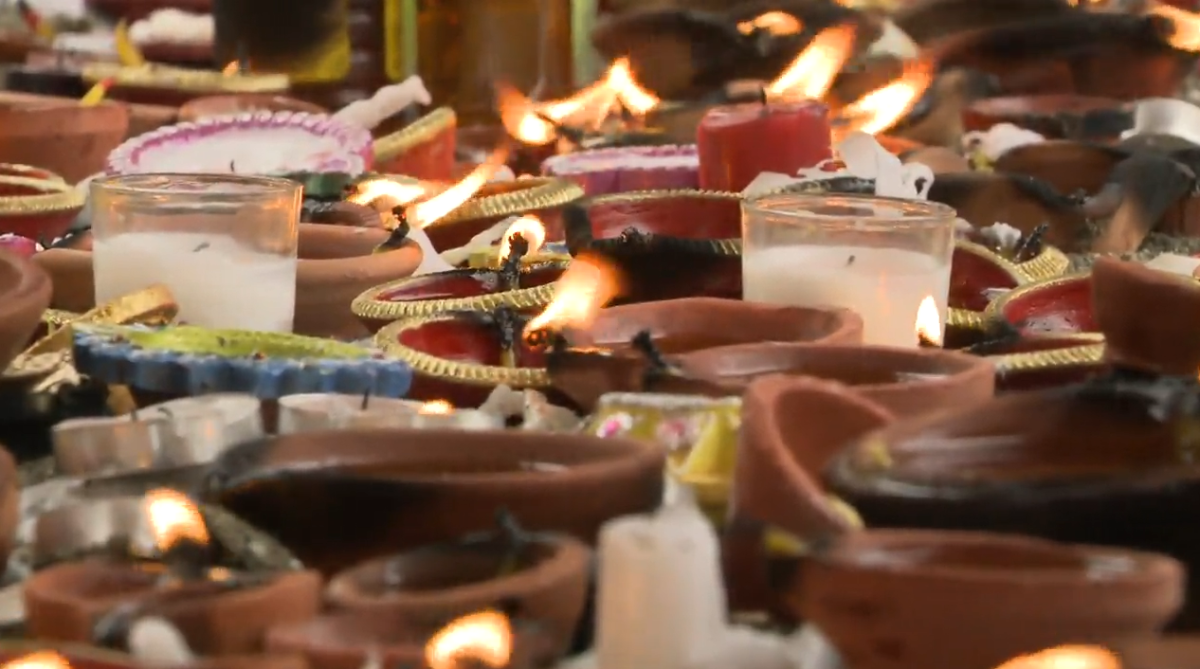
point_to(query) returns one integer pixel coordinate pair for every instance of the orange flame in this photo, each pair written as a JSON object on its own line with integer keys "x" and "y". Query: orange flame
{"x": 485, "y": 637}
{"x": 587, "y": 286}
{"x": 529, "y": 227}
{"x": 883, "y": 107}
{"x": 43, "y": 659}
{"x": 1066, "y": 657}
{"x": 96, "y": 93}
{"x": 812, "y": 73}
{"x": 436, "y": 407}
{"x": 775, "y": 22}
{"x": 631, "y": 94}
{"x": 435, "y": 208}
{"x": 1185, "y": 34}
{"x": 396, "y": 193}
{"x": 231, "y": 69}
{"x": 929, "y": 322}
{"x": 173, "y": 517}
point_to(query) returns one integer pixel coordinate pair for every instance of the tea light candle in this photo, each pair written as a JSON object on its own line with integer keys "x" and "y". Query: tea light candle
{"x": 324, "y": 411}
{"x": 98, "y": 446}
{"x": 737, "y": 142}
{"x": 660, "y": 600}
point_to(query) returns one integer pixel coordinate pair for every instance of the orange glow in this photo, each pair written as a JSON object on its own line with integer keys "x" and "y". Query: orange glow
{"x": 883, "y": 107}
{"x": 1186, "y": 33}
{"x": 587, "y": 286}
{"x": 397, "y": 193}
{"x": 485, "y": 637}
{"x": 811, "y": 74}
{"x": 436, "y": 408}
{"x": 231, "y": 69}
{"x": 929, "y": 322}
{"x": 776, "y": 23}
{"x": 435, "y": 208}
{"x": 96, "y": 94}
{"x": 635, "y": 98}
{"x": 43, "y": 659}
{"x": 529, "y": 227}
{"x": 1066, "y": 657}
{"x": 173, "y": 517}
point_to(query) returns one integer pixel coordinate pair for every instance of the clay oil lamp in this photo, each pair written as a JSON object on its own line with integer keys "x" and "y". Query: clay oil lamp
{"x": 1055, "y": 116}
{"x": 1072, "y": 455}
{"x": 37, "y": 208}
{"x": 542, "y": 576}
{"x": 1055, "y": 306}
{"x": 494, "y": 202}
{"x": 325, "y": 411}
{"x": 217, "y": 610}
{"x": 224, "y": 105}
{"x": 294, "y": 489}
{"x": 668, "y": 244}
{"x": 59, "y": 134}
{"x": 423, "y": 149}
{"x": 619, "y": 170}
{"x": 164, "y": 85}
{"x": 24, "y": 294}
{"x": 28, "y": 172}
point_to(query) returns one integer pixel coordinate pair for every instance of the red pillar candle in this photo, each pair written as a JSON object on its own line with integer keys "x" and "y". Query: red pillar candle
{"x": 738, "y": 142}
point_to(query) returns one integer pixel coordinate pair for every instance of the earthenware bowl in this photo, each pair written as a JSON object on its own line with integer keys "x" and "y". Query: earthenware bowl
{"x": 428, "y": 486}
{"x": 1124, "y": 294}
{"x": 423, "y": 149}
{"x": 1059, "y": 306}
{"x": 59, "y": 134}
{"x": 891, "y": 599}
{"x": 668, "y": 243}
{"x": 224, "y": 105}
{"x": 541, "y": 196}
{"x": 37, "y": 208}
{"x": 24, "y": 294}
{"x": 1055, "y": 116}
{"x": 977, "y": 274}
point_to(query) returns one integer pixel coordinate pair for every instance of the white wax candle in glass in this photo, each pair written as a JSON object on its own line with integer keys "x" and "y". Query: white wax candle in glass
{"x": 224, "y": 244}
{"x": 880, "y": 257}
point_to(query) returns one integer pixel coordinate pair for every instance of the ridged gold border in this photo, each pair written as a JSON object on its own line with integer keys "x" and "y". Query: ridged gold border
{"x": 1070, "y": 356}
{"x": 30, "y": 172}
{"x": 534, "y": 193}
{"x": 57, "y": 318}
{"x": 994, "y": 312}
{"x": 1048, "y": 264}
{"x": 158, "y": 76}
{"x": 57, "y": 197}
{"x": 965, "y": 319}
{"x": 473, "y": 374}
{"x": 368, "y": 305}
{"x": 420, "y": 131}
{"x": 725, "y": 247}
{"x": 1010, "y": 268}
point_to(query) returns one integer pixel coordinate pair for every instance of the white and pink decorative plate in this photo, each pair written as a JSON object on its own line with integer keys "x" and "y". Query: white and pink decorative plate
{"x": 261, "y": 142}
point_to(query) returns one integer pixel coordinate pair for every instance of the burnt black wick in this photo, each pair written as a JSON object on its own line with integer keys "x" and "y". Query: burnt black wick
{"x": 187, "y": 560}
{"x": 1030, "y": 244}
{"x": 643, "y": 342}
{"x": 111, "y": 630}
{"x": 763, "y": 98}
{"x": 399, "y": 234}
{"x": 365, "y": 400}
{"x": 573, "y": 135}
{"x": 510, "y": 266}
{"x": 508, "y": 325}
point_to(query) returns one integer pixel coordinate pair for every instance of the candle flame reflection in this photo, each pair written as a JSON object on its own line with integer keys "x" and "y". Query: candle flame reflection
{"x": 437, "y": 207}
{"x": 529, "y": 227}
{"x": 587, "y": 286}
{"x": 173, "y": 517}
{"x": 485, "y": 637}
{"x": 436, "y": 408}
{"x": 811, "y": 74}
{"x": 774, "y": 22}
{"x": 232, "y": 69}
{"x": 42, "y": 659}
{"x": 929, "y": 322}
{"x": 1185, "y": 34}
{"x": 1066, "y": 657}
{"x": 883, "y": 107}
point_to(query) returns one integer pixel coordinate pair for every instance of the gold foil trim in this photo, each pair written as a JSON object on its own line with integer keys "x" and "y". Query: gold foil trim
{"x": 420, "y": 131}
{"x": 1007, "y": 266}
{"x": 159, "y": 76}
{"x": 53, "y": 197}
{"x": 1048, "y": 264}
{"x": 489, "y": 258}
{"x": 522, "y": 196}
{"x": 368, "y": 305}
{"x": 30, "y": 172}
{"x": 1070, "y": 356}
{"x": 466, "y": 373}
{"x": 191, "y": 340}
{"x": 965, "y": 319}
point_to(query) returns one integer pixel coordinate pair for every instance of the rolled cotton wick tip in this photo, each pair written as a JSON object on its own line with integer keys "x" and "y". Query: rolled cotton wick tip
{"x": 157, "y": 643}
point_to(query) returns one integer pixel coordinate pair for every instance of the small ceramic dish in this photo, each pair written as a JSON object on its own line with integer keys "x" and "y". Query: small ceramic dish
{"x": 1058, "y": 306}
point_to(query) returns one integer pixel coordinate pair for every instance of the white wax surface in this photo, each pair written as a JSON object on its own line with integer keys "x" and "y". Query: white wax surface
{"x": 884, "y": 286}
{"x": 221, "y": 285}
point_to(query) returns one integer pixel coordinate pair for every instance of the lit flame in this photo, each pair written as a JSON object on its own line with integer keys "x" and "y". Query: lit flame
{"x": 586, "y": 287}
{"x": 398, "y": 194}
{"x": 95, "y": 94}
{"x": 1066, "y": 657}
{"x": 231, "y": 69}
{"x": 173, "y": 517}
{"x": 436, "y": 408}
{"x": 531, "y": 122}
{"x": 883, "y": 107}
{"x": 529, "y": 227}
{"x": 485, "y": 637}
{"x": 43, "y": 659}
{"x": 430, "y": 211}
{"x": 776, "y": 23}
{"x": 812, "y": 73}
{"x": 929, "y": 321}
{"x": 1185, "y": 34}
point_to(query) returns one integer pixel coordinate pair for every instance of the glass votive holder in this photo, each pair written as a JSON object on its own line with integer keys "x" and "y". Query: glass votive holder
{"x": 880, "y": 257}
{"x": 224, "y": 244}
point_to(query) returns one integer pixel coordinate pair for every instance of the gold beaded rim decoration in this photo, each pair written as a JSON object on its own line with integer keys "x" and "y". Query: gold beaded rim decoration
{"x": 1007, "y": 266}
{"x": 467, "y": 373}
{"x": 523, "y": 196}
{"x": 1050, "y": 263}
{"x": 418, "y": 132}
{"x": 965, "y": 319}
{"x": 54, "y": 197}
{"x": 371, "y": 306}
{"x": 995, "y": 309}
{"x": 29, "y": 172}
{"x": 159, "y": 76}
{"x": 1083, "y": 355}
{"x": 724, "y": 247}
{"x": 57, "y": 318}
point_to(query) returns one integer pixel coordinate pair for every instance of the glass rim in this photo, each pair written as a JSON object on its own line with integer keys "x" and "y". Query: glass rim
{"x": 915, "y": 212}
{"x": 134, "y": 185}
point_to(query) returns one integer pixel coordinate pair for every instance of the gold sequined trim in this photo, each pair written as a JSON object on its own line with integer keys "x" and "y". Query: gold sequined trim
{"x": 420, "y": 131}
{"x": 512, "y": 198}
{"x": 965, "y": 319}
{"x": 30, "y": 172}
{"x": 725, "y": 247}
{"x": 52, "y": 197}
{"x": 467, "y": 373}
{"x": 159, "y": 76}
{"x": 1071, "y": 356}
{"x": 1048, "y": 264}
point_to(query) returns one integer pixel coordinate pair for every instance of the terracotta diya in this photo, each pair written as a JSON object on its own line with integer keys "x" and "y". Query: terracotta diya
{"x": 428, "y": 486}
{"x": 28, "y": 172}
{"x": 225, "y": 105}
{"x": 59, "y": 134}
{"x": 1056, "y": 306}
{"x": 24, "y": 294}
{"x": 424, "y": 149}
{"x": 496, "y": 201}
{"x": 1055, "y": 116}
{"x": 544, "y": 577}
{"x": 668, "y": 244}
{"x": 37, "y": 208}
{"x": 174, "y": 86}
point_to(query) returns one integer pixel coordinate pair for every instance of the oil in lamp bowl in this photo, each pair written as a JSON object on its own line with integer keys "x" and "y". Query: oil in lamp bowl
{"x": 496, "y": 201}
{"x": 425, "y": 487}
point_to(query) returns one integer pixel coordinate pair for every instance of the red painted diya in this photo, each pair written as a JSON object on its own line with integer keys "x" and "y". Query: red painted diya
{"x": 471, "y": 289}
{"x": 668, "y": 244}
{"x": 1055, "y": 116}
{"x": 37, "y": 208}
{"x": 423, "y": 149}
{"x": 1060, "y": 306}
{"x": 28, "y": 172}
{"x": 977, "y": 274}
{"x": 496, "y": 201}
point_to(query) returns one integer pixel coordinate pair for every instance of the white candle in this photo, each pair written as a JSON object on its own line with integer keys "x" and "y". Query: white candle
{"x": 97, "y": 446}
{"x": 660, "y": 602}
{"x": 332, "y": 411}
{"x": 883, "y": 285}
{"x": 217, "y": 282}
